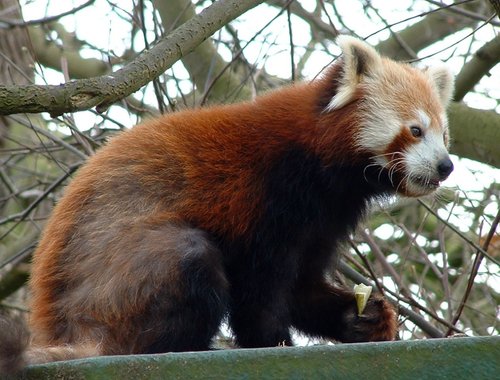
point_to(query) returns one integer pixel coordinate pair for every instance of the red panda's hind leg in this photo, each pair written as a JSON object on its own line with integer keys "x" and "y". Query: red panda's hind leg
{"x": 187, "y": 313}
{"x": 160, "y": 287}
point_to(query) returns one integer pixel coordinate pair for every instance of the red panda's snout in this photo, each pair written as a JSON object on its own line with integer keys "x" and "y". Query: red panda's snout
{"x": 416, "y": 159}
{"x": 425, "y": 183}
{"x": 444, "y": 168}
{"x": 426, "y": 164}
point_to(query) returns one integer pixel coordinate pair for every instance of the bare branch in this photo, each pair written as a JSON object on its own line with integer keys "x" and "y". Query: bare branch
{"x": 433, "y": 27}
{"x": 9, "y": 23}
{"x": 105, "y": 90}
{"x": 462, "y": 11}
{"x": 317, "y": 24}
{"x": 204, "y": 63}
{"x": 475, "y": 133}
{"x": 475, "y": 269}
{"x": 481, "y": 63}
{"x": 49, "y": 54}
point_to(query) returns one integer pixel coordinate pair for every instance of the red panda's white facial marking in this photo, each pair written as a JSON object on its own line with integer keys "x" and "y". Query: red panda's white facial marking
{"x": 417, "y": 157}
{"x": 426, "y": 162}
{"x": 402, "y": 122}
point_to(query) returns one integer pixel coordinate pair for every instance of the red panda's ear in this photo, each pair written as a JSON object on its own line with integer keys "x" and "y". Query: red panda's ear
{"x": 443, "y": 81}
{"x": 359, "y": 60}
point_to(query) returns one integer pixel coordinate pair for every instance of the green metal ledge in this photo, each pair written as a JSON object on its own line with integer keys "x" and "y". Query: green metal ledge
{"x": 453, "y": 358}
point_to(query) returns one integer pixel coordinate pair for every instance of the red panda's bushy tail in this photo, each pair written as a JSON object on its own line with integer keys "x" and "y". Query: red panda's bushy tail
{"x": 14, "y": 340}
{"x": 16, "y": 351}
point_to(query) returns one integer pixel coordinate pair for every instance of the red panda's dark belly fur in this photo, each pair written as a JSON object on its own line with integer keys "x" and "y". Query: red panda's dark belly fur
{"x": 308, "y": 211}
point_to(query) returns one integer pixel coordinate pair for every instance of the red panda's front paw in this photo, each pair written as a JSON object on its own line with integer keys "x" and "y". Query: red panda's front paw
{"x": 378, "y": 322}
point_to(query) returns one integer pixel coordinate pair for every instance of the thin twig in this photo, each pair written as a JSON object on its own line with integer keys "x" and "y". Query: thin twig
{"x": 240, "y": 51}
{"x": 382, "y": 260}
{"x": 454, "y": 43}
{"x": 19, "y": 217}
{"x": 475, "y": 269}
{"x": 103, "y": 91}
{"x": 292, "y": 46}
{"x": 459, "y": 233}
{"x": 9, "y": 23}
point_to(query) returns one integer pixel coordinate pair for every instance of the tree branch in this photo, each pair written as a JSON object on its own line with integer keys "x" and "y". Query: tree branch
{"x": 433, "y": 27}
{"x": 475, "y": 133}
{"x": 328, "y": 31}
{"x": 105, "y": 90}
{"x": 49, "y": 54}
{"x": 204, "y": 62}
{"x": 481, "y": 63}
{"x": 10, "y": 23}
{"x": 475, "y": 269}
{"x": 12, "y": 281}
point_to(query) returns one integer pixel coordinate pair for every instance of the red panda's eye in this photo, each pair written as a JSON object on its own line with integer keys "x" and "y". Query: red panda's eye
{"x": 416, "y": 131}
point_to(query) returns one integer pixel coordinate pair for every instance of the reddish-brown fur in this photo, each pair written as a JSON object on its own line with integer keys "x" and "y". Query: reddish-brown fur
{"x": 232, "y": 210}
{"x": 241, "y": 139}
{"x": 188, "y": 138}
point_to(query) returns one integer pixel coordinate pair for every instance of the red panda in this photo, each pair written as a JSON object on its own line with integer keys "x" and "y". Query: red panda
{"x": 236, "y": 212}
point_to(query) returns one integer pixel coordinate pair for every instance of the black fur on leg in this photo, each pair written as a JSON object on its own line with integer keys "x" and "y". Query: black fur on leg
{"x": 14, "y": 338}
{"x": 188, "y": 317}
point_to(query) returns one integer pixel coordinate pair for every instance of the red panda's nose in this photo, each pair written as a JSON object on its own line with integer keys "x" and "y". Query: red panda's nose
{"x": 444, "y": 168}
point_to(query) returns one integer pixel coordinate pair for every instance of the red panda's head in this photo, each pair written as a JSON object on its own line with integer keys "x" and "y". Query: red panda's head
{"x": 402, "y": 123}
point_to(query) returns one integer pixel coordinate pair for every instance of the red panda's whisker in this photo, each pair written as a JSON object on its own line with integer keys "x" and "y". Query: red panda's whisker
{"x": 403, "y": 180}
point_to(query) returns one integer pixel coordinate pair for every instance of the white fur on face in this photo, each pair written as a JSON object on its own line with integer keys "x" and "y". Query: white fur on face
{"x": 379, "y": 130}
{"x": 421, "y": 162}
{"x": 420, "y": 158}
{"x": 424, "y": 119}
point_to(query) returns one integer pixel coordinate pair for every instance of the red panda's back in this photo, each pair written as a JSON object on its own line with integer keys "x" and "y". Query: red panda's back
{"x": 105, "y": 194}
{"x": 196, "y": 167}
